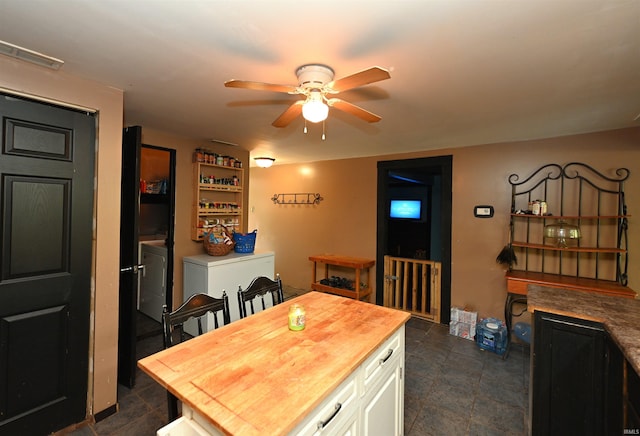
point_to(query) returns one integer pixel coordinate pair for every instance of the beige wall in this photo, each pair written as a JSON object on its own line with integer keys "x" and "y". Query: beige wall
{"x": 345, "y": 221}
{"x": 185, "y": 147}
{"x": 40, "y": 82}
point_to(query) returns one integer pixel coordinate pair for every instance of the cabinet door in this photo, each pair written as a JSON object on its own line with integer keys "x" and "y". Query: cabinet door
{"x": 632, "y": 418}
{"x": 382, "y": 410}
{"x": 350, "y": 426}
{"x": 568, "y": 386}
{"x": 336, "y": 415}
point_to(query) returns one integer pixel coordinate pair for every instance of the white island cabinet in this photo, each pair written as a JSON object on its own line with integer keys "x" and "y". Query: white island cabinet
{"x": 213, "y": 274}
{"x": 341, "y": 375}
{"x": 370, "y": 402}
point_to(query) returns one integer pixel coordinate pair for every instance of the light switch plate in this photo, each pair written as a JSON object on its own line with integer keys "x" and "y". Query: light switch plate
{"x": 483, "y": 211}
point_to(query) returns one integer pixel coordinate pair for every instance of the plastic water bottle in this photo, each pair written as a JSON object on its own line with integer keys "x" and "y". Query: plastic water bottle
{"x": 522, "y": 331}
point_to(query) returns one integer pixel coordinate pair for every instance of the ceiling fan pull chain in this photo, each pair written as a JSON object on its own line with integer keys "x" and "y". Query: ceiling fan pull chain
{"x": 323, "y": 136}
{"x": 305, "y": 127}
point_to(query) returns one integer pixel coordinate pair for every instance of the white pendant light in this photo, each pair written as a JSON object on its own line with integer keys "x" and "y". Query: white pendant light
{"x": 264, "y": 162}
{"x": 314, "y": 109}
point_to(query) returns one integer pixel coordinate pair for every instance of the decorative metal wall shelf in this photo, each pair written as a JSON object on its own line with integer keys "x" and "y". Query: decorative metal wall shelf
{"x": 579, "y": 194}
{"x": 297, "y": 198}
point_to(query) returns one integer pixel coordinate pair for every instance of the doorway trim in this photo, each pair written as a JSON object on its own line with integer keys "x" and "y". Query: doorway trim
{"x": 171, "y": 219}
{"x": 443, "y": 167}
{"x": 129, "y": 242}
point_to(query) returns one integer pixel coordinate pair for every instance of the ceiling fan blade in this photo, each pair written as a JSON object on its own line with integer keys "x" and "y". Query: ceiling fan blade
{"x": 353, "y": 110}
{"x": 289, "y": 115}
{"x": 259, "y": 86}
{"x": 370, "y": 75}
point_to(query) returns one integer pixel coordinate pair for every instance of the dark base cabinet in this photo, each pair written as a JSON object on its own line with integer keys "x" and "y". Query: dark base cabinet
{"x": 632, "y": 401}
{"x": 576, "y": 378}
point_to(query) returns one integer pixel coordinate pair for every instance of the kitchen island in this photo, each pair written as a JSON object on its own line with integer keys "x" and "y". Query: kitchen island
{"x": 342, "y": 373}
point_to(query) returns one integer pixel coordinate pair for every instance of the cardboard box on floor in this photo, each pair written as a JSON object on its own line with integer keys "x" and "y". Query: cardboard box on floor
{"x": 463, "y": 323}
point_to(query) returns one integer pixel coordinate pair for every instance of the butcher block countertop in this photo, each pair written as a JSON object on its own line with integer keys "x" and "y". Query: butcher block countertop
{"x": 257, "y": 377}
{"x": 620, "y": 316}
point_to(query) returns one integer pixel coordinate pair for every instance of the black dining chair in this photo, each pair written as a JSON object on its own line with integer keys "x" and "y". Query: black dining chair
{"x": 260, "y": 288}
{"x": 197, "y": 306}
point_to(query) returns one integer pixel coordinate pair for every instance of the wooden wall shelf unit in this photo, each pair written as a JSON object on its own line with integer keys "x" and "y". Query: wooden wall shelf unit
{"x": 217, "y": 198}
{"x": 358, "y": 264}
{"x": 579, "y": 195}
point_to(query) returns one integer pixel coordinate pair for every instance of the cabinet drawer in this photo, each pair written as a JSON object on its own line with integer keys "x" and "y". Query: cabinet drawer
{"x": 334, "y": 412}
{"x": 182, "y": 426}
{"x": 383, "y": 357}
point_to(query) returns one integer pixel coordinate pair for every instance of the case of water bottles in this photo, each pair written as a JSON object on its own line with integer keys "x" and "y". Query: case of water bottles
{"x": 491, "y": 335}
{"x": 463, "y": 323}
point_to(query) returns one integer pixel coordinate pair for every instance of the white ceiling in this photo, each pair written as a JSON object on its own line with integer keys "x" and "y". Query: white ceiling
{"x": 463, "y": 72}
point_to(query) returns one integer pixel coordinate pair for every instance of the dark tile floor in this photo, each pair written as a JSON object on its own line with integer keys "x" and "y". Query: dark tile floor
{"x": 451, "y": 387}
{"x": 454, "y": 387}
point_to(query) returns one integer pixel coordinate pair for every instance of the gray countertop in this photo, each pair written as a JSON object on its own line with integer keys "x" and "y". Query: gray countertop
{"x": 620, "y": 316}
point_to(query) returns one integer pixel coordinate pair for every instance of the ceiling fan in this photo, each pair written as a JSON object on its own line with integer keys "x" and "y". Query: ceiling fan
{"x": 316, "y": 84}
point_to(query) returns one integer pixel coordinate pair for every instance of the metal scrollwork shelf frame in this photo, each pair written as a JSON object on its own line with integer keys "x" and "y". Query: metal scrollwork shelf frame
{"x": 581, "y": 194}
{"x": 297, "y": 198}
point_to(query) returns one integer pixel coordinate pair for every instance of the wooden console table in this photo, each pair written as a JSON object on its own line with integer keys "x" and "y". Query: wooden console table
{"x": 356, "y": 263}
{"x": 517, "y": 282}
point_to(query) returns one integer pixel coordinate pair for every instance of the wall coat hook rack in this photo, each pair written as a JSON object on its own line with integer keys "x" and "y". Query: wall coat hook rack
{"x": 297, "y": 198}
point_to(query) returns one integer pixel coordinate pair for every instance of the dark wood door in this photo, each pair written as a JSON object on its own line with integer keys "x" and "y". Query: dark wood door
{"x": 47, "y": 190}
{"x": 129, "y": 262}
{"x": 569, "y": 376}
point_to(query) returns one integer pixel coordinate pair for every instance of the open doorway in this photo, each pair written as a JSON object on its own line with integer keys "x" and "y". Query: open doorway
{"x": 147, "y": 217}
{"x": 414, "y": 217}
{"x": 155, "y": 237}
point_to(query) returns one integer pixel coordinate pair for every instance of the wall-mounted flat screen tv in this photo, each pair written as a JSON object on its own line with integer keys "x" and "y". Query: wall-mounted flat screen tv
{"x": 406, "y": 209}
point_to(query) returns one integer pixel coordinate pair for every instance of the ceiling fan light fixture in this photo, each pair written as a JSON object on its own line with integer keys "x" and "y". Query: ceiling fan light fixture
{"x": 315, "y": 82}
{"x": 314, "y": 109}
{"x": 264, "y": 162}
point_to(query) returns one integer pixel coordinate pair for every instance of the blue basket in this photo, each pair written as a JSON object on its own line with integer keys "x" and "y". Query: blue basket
{"x": 245, "y": 242}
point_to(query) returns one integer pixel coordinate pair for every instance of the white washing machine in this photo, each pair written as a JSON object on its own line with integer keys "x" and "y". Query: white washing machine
{"x": 152, "y": 286}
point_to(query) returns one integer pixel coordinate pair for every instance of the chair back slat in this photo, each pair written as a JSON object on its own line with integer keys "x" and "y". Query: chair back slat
{"x": 197, "y": 306}
{"x": 260, "y": 287}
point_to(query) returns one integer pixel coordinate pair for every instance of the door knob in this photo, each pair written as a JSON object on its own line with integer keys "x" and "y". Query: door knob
{"x": 134, "y": 268}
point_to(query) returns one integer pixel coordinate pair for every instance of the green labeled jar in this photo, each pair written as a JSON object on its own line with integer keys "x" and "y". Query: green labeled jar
{"x": 296, "y": 317}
